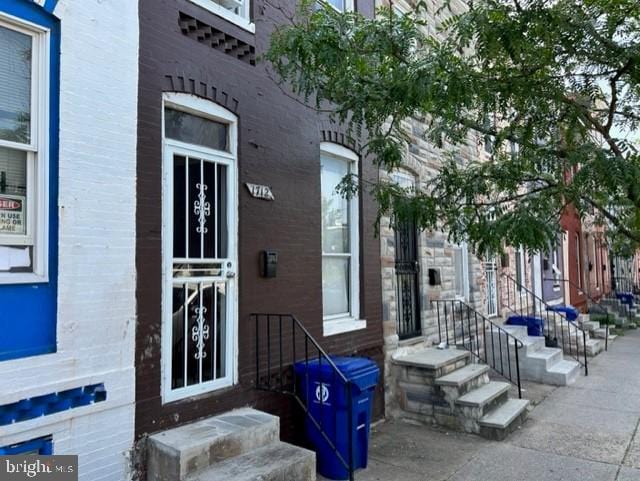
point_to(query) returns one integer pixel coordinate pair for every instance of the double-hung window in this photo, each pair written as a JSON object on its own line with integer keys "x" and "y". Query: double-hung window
{"x": 520, "y": 269}
{"x": 461, "y": 271}
{"x": 555, "y": 267}
{"x": 23, "y": 152}
{"x": 236, "y": 11}
{"x": 340, "y": 241}
{"x": 578, "y": 261}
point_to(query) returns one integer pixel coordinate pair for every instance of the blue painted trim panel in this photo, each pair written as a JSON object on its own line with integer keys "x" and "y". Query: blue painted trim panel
{"x": 50, "y": 5}
{"x": 43, "y": 446}
{"x": 47, "y": 404}
{"x": 28, "y": 313}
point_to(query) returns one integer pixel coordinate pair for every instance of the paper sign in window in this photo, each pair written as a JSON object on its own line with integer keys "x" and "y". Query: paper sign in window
{"x": 12, "y": 215}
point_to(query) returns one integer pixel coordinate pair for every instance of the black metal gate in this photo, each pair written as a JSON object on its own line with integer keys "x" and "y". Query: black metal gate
{"x": 407, "y": 281}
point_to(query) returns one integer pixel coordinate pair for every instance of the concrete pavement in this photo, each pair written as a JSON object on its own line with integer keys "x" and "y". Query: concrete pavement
{"x": 584, "y": 432}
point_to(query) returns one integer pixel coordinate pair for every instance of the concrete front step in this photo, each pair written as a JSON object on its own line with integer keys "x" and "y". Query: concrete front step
{"x": 463, "y": 376}
{"x": 545, "y": 357}
{"x": 476, "y": 404}
{"x": 536, "y": 360}
{"x": 562, "y": 373}
{"x": 594, "y": 347}
{"x": 181, "y": 451}
{"x": 439, "y": 387}
{"x": 504, "y": 419}
{"x": 211, "y": 445}
{"x": 484, "y": 396}
{"x": 601, "y": 333}
{"x": 590, "y": 325}
{"x": 275, "y": 462}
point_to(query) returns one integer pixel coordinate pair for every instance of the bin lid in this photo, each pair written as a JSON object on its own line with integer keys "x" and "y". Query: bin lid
{"x": 361, "y": 371}
{"x": 528, "y": 319}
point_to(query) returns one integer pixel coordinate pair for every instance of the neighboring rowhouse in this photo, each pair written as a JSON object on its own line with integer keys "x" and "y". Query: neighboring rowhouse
{"x": 68, "y": 89}
{"x": 238, "y": 215}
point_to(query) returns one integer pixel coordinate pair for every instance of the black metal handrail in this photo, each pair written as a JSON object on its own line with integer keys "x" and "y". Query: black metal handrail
{"x": 527, "y": 303}
{"x": 592, "y": 303}
{"x": 275, "y": 372}
{"x": 623, "y": 284}
{"x": 473, "y": 337}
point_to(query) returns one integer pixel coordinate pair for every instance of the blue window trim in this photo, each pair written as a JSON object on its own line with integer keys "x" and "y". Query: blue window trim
{"x": 28, "y": 317}
{"x": 42, "y": 446}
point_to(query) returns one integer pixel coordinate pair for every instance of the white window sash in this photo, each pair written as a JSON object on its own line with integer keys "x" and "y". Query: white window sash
{"x": 341, "y": 153}
{"x": 37, "y": 158}
{"x": 462, "y": 251}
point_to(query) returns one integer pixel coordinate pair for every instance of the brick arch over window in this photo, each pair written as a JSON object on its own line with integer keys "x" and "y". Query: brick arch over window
{"x": 339, "y": 136}
{"x": 181, "y": 84}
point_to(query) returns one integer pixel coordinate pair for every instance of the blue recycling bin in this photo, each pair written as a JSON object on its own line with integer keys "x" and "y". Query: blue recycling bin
{"x": 535, "y": 325}
{"x": 326, "y": 396}
{"x": 626, "y": 298}
{"x": 570, "y": 312}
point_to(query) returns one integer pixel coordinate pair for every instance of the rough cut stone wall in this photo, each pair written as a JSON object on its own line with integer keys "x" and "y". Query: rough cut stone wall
{"x": 423, "y": 160}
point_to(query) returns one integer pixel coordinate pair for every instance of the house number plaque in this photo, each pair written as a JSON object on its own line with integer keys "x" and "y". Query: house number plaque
{"x": 260, "y": 191}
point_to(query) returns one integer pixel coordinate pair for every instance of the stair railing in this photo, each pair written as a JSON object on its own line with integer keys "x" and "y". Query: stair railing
{"x": 592, "y": 303}
{"x": 462, "y": 324}
{"x": 524, "y": 302}
{"x": 623, "y": 284}
{"x": 281, "y": 341}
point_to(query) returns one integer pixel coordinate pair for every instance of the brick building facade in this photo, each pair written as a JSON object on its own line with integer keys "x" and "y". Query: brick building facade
{"x": 66, "y": 353}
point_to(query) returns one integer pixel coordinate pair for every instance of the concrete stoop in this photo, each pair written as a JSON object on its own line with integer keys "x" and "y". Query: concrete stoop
{"x": 241, "y": 445}
{"x": 621, "y": 311}
{"x": 596, "y": 330}
{"x": 441, "y": 386}
{"x": 538, "y": 363}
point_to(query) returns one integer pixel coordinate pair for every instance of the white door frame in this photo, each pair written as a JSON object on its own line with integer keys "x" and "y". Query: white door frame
{"x": 536, "y": 272}
{"x": 197, "y": 106}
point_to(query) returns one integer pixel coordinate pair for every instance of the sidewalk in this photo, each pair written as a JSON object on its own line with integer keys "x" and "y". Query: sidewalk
{"x": 585, "y": 432}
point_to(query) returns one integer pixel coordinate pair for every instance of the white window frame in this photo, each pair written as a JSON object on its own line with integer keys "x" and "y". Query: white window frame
{"x": 349, "y": 5}
{"x": 522, "y": 260}
{"x": 554, "y": 268}
{"x": 597, "y": 261}
{"x": 242, "y": 21}
{"x": 206, "y": 109}
{"x": 340, "y": 323}
{"x": 578, "y": 259}
{"x": 37, "y": 158}
{"x": 464, "y": 252}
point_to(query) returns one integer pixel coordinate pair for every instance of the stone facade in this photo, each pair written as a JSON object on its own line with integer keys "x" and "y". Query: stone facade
{"x": 434, "y": 251}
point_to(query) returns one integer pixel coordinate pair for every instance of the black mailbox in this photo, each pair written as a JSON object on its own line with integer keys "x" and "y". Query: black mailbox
{"x": 434, "y": 277}
{"x": 268, "y": 263}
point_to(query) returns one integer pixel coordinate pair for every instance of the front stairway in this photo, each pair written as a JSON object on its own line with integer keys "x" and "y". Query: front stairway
{"x": 241, "y": 445}
{"x": 441, "y": 386}
{"x": 539, "y": 363}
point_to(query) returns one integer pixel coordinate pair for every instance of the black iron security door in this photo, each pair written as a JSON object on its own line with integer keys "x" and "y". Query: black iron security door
{"x": 407, "y": 280}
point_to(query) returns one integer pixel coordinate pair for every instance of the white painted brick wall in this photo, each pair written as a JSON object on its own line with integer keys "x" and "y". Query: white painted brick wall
{"x": 96, "y": 300}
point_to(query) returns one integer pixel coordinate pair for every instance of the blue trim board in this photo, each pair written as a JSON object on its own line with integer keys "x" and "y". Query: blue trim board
{"x": 28, "y": 312}
{"x": 43, "y": 446}
{"x": 53, "y": 403}
{"x": 50, "y": 5}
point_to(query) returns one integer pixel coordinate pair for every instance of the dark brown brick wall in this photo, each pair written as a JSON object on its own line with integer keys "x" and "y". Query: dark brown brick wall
{"x": 279, "y": 143}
